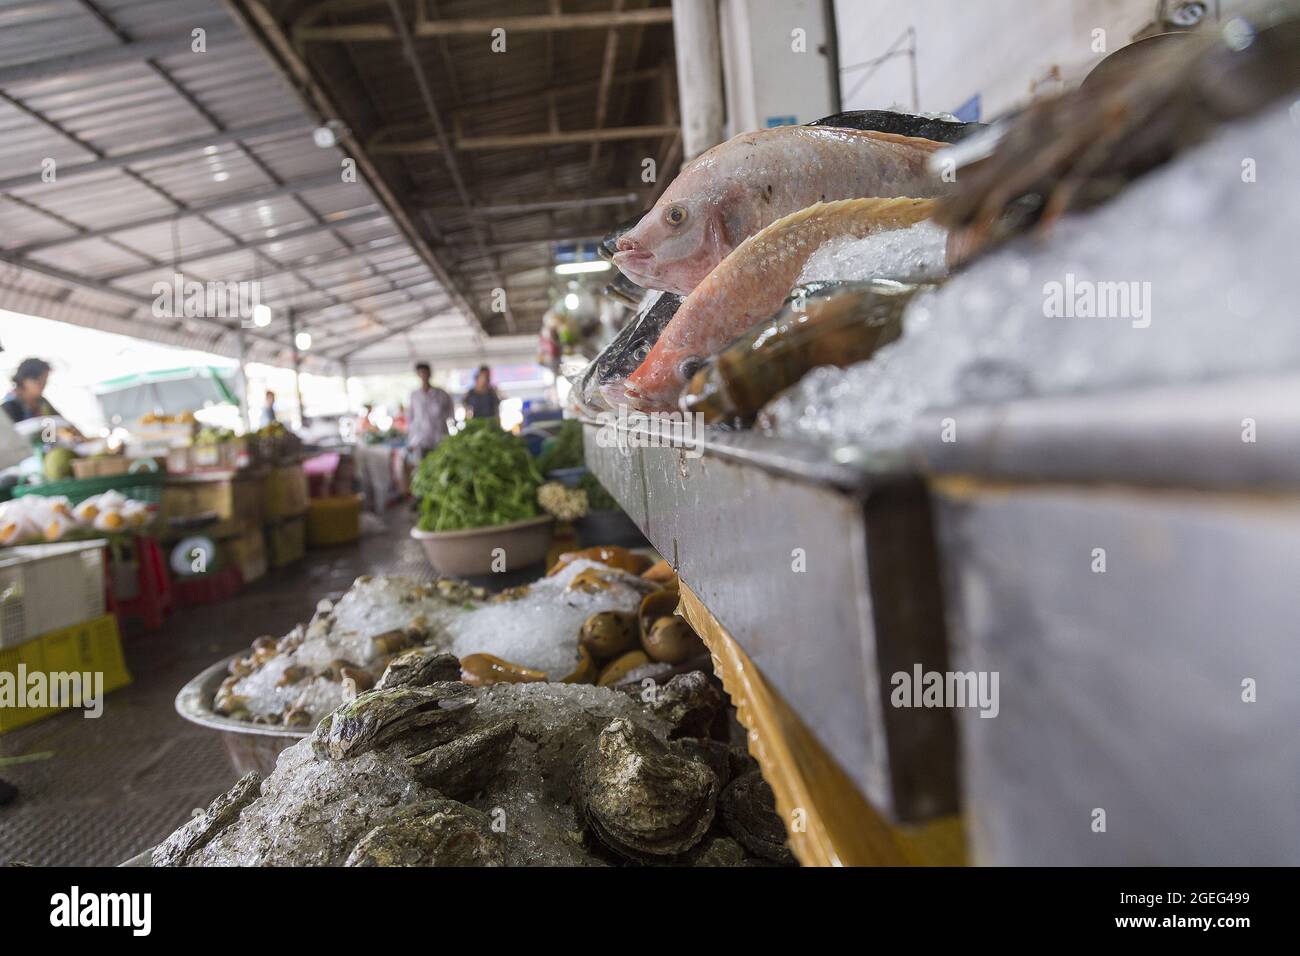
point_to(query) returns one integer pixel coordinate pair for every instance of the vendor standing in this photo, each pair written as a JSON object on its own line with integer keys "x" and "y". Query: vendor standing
{"x": 482, "y": 401}
{"x": 430, "y": 411}
{"x": 27, "y": 400}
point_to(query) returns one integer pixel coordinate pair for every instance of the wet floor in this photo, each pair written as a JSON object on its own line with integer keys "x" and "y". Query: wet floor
{"x": 96, "y": 792}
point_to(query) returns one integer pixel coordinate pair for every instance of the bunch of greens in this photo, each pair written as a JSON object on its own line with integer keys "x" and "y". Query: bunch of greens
{"x": 562, "y": 451}
{"x": 479, "y": 477}
{"x": 598, "y": 499}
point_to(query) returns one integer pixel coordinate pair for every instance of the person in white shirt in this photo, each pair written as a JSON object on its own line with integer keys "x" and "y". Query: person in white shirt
{"x": 430, "y": 409}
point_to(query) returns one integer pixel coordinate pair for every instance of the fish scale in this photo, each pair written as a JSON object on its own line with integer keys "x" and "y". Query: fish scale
{"x": 750, "y": 284}
{"x": 734, "y": 190}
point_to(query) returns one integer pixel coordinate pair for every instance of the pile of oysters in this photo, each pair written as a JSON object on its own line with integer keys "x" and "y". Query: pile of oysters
{"x": 426, "y": 770}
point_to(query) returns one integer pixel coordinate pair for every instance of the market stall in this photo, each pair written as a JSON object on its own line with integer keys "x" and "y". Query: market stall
{"x": 895, "y": 488}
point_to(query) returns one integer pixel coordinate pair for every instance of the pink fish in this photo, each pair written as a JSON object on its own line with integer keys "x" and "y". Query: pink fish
{"x": 729, "y": 193}
{"x": 750, "y": 285}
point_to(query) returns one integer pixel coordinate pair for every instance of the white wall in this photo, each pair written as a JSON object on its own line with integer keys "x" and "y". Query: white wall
{"x": 1004, "y": 50}
{"x": 765, "y": 78}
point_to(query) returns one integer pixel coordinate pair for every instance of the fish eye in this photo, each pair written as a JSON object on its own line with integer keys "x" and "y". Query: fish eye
{"x": 675, "y": 215}
{"x": 688, "y": 366}
{"x": 641, "y": 351}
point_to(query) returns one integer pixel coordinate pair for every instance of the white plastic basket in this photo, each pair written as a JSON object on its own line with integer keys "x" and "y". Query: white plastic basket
{"x": 47, "y": 587}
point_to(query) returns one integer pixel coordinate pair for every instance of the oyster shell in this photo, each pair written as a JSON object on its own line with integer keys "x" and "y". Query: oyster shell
{"x": 221, "y": 812}
{"x": 641, "y": 800}
{"x": 689, "y": 703}
{"x": 432, "y": 833}
{"x": 419, "y": 668}
{"x": 714, "y": 754}
{"x": 464, "y": 766}
{"x": 719, "y": 851}
{"x": 749, "y": 813}
{"x": 379, "y": 716}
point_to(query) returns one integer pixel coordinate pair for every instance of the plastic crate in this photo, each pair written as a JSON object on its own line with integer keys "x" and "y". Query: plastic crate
{"x": 332, "y": 521}
{"x": 143, "y": 486}
{"x": 46, "y": 587}
{"x": 92, "y": 646}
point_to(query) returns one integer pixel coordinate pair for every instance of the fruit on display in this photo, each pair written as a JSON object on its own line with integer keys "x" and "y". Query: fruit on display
{"x": 58, "y": 464}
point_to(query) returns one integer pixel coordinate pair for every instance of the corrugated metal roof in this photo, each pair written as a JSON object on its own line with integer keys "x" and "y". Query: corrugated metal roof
{"x": 127, "y": 157}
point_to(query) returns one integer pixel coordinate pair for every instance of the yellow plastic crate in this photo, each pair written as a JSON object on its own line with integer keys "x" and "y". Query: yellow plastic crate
{"x": 333, "y": 521}
{"x": 93, "y": 646}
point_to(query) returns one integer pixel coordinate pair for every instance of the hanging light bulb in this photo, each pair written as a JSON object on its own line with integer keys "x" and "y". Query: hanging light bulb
{"x": 261, "y": 315}
{"x": 303, "y": 341}
{"x": 571, "y": 301}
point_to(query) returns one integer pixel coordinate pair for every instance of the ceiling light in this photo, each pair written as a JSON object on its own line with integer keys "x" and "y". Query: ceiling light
{"x": 261, "y": 315}
{"x": 577, "y": 268}
{"x": 571, "y": 301}
{"x": 303, "y": 341}
{"x": 329, "y": 134}
{"x": 221, "y": 177}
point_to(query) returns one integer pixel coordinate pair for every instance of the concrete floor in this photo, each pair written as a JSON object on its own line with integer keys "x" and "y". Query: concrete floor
{"x": 101, "y": 791}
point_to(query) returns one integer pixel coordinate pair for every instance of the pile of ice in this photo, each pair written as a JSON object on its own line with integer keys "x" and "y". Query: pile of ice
{"x": 540, "y": 629}
{"x": 1185, "y": 276}
{"x": 344, "y": 631}
{"x": 913, "y": 254}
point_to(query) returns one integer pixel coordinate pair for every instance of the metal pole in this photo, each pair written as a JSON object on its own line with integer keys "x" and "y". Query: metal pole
{"x": 297, "y": 364}
{"x": 699, "y": 74}
{"x": 243, "y": 376}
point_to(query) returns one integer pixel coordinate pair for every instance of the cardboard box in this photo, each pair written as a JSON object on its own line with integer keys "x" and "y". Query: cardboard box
{"x": 286, "y": 542}
{"x": 106, "y": 467}
{"x": 232, "y": 498}
{"x": 285, "y": 493}
{"x": 247, "y": 551}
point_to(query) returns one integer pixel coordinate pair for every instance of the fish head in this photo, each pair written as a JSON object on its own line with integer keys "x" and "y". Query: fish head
{"x": 659, "y": 380}
{"x": 675, "y": 245}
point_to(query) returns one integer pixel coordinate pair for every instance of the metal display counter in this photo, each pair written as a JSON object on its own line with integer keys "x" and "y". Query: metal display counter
{"x": 824, "y": 575}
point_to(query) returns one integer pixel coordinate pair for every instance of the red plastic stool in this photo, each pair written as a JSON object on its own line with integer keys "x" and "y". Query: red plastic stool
{"x": 210, "y": 588}
{"x": 154, "y": 602}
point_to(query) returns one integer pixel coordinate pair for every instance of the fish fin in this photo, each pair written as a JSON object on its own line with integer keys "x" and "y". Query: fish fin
{"x": 904, "y": 207}
{"x": 898, "y": 139}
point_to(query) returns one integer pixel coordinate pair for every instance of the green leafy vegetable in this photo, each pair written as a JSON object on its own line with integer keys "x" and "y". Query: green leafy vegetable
{"x": 479, "y": 477}
{"x": 564, "y": 450}
{"x": 598, "y": 499}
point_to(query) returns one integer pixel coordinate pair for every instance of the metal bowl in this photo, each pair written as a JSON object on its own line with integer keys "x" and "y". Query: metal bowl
{"x": 249, "y": 746}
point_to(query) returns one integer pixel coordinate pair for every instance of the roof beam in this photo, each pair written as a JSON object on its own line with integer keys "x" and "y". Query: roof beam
{"x": 116, "y": 55}
{"x": 242, "y": 198}
{"x": 277, "y": 44}
{"x": 286, "y": 124}
{"x": 542, "y": 205}
{"x": 355, "y": 347}
{"x": 136, "y": 299}
{"x": 412, "y": 56}
{"x": 526, "y": 140}
{"x": 483, "y": 26}
{"x": 261, "y": 241}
